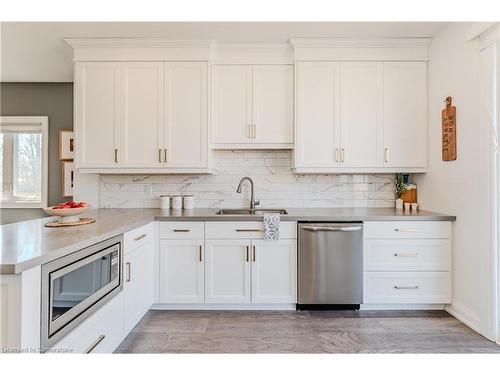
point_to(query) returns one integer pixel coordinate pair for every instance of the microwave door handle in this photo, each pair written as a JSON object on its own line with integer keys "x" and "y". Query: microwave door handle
{"x": 333, "y": 229}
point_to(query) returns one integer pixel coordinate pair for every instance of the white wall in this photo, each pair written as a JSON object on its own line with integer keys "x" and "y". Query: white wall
{"x": 275, "y": 185}
{"x": 462, "y": 187}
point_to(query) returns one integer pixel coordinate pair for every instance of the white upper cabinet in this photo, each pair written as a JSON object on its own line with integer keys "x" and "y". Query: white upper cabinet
{"x": 186, "y": 115}
{"x": 361, "y": 114}
{"x": 317, "y": 131}
{"x": 97, "y": 113}
{"x": 252, "y": 106}
{"x": 273, "y": 104}
{"x": 232, "y": 104}
{"x": 405, "y": 114}
{"x": 142, "y": 126}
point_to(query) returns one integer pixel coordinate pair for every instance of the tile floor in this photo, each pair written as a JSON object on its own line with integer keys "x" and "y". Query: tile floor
{"x": 303, "y": 332}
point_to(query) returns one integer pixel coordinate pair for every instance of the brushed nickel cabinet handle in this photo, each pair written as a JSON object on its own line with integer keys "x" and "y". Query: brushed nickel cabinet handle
{"x": 248, "y": 251}
{"x": 140, "y": 237}
{"x": 128, "y": 266}
{"x": 200, "y": 257}
{"x": 116, "y": 155}
{"x": 182, "y": 230}
{"x": 387, "y": 155}
{"x": 408, "y": 230}
{"x": 249, "y": 230}
{"x": 336, "y": 155}
{"x": 253, "y": 253}
{"x": 94, "y": 345}
{"x": 165, "y": 155}
{"x": 342, "y": 154}
{"x": 249, "y": 131}
{"x": 406, "y": 287}
{"x": 159, "y": 155}
{"x": 401, "y": 255}
{"x": 254, "y": 131}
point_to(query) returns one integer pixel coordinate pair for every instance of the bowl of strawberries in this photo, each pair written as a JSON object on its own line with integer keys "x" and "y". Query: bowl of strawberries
{"x": 68, "y": 211}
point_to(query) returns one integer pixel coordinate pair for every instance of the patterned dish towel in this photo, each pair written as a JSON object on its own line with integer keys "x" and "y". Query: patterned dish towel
{"x": 271, "y": 226}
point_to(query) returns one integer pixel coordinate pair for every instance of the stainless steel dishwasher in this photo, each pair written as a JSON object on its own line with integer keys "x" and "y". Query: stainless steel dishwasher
{"x": 330, "y": 265}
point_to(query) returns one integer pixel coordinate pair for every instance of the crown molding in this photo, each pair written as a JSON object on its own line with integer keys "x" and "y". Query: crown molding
{"x": 139, "y": 49}
{"x": 252, "y": 53}
{"x": 345, "y": 49}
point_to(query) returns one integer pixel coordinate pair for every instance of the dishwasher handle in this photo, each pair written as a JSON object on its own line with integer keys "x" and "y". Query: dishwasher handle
{"x": 352, "y": 228}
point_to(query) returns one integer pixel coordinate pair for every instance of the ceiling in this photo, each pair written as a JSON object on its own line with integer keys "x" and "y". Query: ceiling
{"x": 36, "y": 51}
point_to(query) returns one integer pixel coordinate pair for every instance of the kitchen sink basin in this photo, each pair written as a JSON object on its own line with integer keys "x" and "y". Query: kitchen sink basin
{"x": 247, "y": 211}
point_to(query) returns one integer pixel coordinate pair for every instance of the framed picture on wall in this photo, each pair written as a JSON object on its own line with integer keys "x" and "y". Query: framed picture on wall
{"x": 66, "y": 145}
{"x": 67, "y": 177}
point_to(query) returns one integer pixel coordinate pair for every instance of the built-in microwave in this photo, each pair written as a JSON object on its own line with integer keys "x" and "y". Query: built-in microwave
{"x": 76, "y": 285}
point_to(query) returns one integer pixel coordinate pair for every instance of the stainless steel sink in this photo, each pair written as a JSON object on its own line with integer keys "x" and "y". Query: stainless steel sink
{"x": 247, "y": 211}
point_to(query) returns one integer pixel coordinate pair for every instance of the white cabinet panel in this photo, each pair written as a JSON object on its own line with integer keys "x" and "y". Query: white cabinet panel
{"x": 405, "y": 114}
{"x": 227, "y": 271}
{"x": 407, "y": 287}
{"x": 97, "y": 113}
{"x": 317, "y": 117}
{"x": 186, "y": 112}
{"x": 407, "y": 229}
{"x": 273, "y": 103}
{"x": 407, "y": 255}
{"x": 361, "y": 129}
{"x": 138, "y": 285}
{"x": 274, "y": 271}
{"x": 181, "y": 271}
{"x": 142, "y": 126}
{"x": 232, "y": 103}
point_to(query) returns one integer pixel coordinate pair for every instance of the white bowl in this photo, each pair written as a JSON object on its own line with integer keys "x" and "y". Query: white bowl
{"x": 67, "y": 215}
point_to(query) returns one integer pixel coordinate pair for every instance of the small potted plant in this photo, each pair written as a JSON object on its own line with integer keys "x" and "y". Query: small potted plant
{"x": 400, "y": 187}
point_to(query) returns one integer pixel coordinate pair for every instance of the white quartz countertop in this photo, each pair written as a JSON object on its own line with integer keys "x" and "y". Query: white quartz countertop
{"x": 28, "y": 244}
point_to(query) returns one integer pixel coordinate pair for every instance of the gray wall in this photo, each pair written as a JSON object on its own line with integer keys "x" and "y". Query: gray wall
{"x": 54, "y": 100}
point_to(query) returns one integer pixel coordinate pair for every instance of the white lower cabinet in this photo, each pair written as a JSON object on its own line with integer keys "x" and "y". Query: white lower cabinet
{"x": 181, "y": 271}
{"x": 407, "y": 262}
{"x": 227, "y": 278}
{"x": 274, "y": 271}
{"x": 137, "y": 285}
{"x": 100, "y": 333}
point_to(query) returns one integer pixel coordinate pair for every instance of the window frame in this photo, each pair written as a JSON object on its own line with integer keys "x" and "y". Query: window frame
{"x": 43, "y": 123}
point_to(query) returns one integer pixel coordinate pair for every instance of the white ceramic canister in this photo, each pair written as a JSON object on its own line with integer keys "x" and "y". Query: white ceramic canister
{"x": 188, "y": 201}
{"x": 414, "y": 206}
{"x": 165, "y": 202}
{"x": 177, "y": 202}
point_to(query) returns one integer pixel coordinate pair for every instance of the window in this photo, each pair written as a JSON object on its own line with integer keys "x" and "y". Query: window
{"x": 23, "y": 156}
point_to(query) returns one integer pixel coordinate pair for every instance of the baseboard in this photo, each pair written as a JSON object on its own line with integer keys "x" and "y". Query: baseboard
{"x": 406, "y": 306}
{"x": 202, "y": 306}
{"x": 465, "y": 315}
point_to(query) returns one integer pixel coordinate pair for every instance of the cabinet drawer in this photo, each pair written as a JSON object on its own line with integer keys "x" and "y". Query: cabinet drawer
{"x": 407, "y": 229}
{"x": 246, "y": 229}
{"x": 182, "y": 230}
{"x": 407, "y": 255}
{"x": 137, "y": 237}
{"x": 100, "y": 333}
{"x": 407, "y": 287}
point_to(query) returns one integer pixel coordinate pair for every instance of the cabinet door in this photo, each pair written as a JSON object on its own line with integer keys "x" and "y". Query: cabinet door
{"x": 181, "y": 271}
{"x": 142, "y": 126}
{"x": 232, "y": 104}
{"x": 97, "y": 114}
{"x": 273, "y": 104}
{"x": 317, "y": 128}
{"x": 274, "y": 271}
{"x": 186, "y": 110}
{"x": 138, "y": 285}
{"x": 361, "y": 129}
{"x": 227, "y": 278}
{"x": 405, "y": 114}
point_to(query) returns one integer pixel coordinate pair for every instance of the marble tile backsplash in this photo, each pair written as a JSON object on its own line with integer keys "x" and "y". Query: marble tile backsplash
{"x": 275, "y": 185}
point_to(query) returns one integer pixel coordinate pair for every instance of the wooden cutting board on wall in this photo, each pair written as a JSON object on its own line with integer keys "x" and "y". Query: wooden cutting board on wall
{"x": 449, "y": 131}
